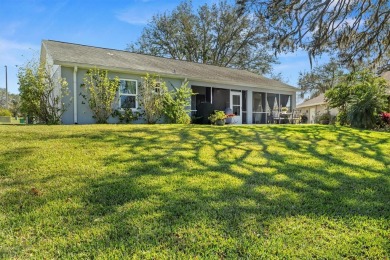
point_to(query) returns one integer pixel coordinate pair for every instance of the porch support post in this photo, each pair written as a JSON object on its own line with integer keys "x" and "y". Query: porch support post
{"x": 75, "y": 95}
{"x": 249, "y": 107}
{"x": 211, "y": 95}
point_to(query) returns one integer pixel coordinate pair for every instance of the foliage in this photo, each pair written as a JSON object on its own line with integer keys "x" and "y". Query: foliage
{"x": 11, "y": 98}
{"x": 325, "y": 118}
{"x": 14, "y": 106}
{"x": 5, "y": 112}
{"x": 176, "y": 105}
{"x": 385, "y": 117}
{"x": 359, "y": 98}
{"x": 304, "y": 119}
{"x": 357, "y": 30}
{"x": 217, "y": 116}
{"x": 320, "y": 79}
{"x": 41, "y": 93}
{"x": 383, "y": 123}
{"x": 217, "y": 35}
{"x": 189, "y": 191}
{"x": 100, "y": 93}
{"x": 152, "y": 93}
{"x": 126, "y": 115}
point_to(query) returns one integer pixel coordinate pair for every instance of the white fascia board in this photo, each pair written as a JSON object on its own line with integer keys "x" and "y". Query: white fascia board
{"x": 311, "y": 105}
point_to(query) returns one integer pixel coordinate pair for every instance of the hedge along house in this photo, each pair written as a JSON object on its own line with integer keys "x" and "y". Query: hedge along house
{"x": 250, "y": 97}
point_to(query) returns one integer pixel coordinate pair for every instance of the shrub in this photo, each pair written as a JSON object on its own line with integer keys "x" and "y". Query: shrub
{"x": 126, "y": 116}
{"x": 217, "y": 116}
{"x": 41, "y": 93}
{"x": 5, "y": 112}
{"x": 324, "y": 119}
{"x": 304, "y": 119}
{"x": 151, "y": 98}
{"x": 101, "y": 93}
{"x": 385, "y": 117}
{"x": 359, "y": 98}
{"x": 175, "y": 104}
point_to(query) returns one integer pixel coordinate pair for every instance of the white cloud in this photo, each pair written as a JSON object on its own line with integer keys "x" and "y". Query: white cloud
{"x": 135, "y": 16}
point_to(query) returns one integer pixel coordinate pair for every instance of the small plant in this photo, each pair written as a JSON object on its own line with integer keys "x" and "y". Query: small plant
{"x": 218, "y": 117}
{"x": 385, "y": 117}
{"x": 126, "y": 116}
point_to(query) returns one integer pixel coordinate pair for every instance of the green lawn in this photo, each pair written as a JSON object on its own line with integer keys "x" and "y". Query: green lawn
{"x": 166, "y": 191}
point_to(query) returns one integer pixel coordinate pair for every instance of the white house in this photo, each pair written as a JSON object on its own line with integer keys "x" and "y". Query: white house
{"x": 250, "y": 96}
{"x": 315, "y": 107}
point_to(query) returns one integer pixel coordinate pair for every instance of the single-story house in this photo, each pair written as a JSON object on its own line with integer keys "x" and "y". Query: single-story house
{"x": 250, "y": 97}
{"x": 315, "y": 107}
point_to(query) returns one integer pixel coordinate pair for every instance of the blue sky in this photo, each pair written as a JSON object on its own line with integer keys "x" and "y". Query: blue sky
{"x": 111, "y": 24}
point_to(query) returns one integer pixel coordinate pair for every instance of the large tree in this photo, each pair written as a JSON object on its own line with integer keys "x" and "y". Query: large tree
{"x": 320, "y": 79}
{"x": 358, "y": 30}
{"x": 218, "y": 34}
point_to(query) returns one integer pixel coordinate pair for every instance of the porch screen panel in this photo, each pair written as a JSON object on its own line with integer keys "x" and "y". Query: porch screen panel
{"x": 272, "y": 101}
{"x": 221, "y": 98}
{"x": 285, "y": 101}
{"x": 202, "y": 95}
{"x": 259, "y": 108}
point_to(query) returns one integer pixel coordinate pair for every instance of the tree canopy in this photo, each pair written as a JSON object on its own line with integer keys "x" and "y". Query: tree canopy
{"x": 358, "y": 30}
{"x": 320, "y": 79}
{"x": 218, "y": 34}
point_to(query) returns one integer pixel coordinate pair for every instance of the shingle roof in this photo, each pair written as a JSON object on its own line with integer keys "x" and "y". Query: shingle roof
{"x": 74, "y": 54}
{"x": 319, "y": 100}
{"x": 386, "y": 76}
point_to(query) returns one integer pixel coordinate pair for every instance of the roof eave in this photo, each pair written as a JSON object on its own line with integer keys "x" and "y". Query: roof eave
{"x": 310, "y": 105}
{"x": 175, "y": 76}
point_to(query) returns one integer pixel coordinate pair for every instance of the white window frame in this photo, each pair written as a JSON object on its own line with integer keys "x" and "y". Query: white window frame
{"x": 130, "y": 95}
{"x": 157, "y": 88}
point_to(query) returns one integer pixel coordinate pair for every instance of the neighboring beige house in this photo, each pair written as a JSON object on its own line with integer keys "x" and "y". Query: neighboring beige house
{"x": 315, "y": 107}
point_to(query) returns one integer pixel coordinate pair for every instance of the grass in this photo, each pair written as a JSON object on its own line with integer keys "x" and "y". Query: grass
{"x": 165, "y": 191}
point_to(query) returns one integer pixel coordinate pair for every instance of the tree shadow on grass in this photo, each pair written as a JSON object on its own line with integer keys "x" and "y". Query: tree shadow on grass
{"x": 191, "y": 191}
{"x": 217, "y": 184}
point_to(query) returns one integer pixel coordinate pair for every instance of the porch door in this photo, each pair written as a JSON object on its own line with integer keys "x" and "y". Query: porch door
{"x": 236, "y": 106}
{"x": 312, "y": 115}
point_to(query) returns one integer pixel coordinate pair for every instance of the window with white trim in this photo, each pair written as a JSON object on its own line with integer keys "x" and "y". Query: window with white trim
{"x": 128, "y": 90}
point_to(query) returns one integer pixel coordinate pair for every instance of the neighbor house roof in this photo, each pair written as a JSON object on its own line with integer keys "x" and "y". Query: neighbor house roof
{"x": 70, "y": 54}
{"x": 319, "y": 100}
{"x": 386, "y": 75}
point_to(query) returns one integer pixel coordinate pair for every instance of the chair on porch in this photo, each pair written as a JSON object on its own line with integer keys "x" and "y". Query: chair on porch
{"x": 276, "y": 117}
{"x": 295, "y": 117}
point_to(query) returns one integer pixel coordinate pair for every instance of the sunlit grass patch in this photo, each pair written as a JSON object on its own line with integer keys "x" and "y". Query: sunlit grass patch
{"x": 173, "y": 191}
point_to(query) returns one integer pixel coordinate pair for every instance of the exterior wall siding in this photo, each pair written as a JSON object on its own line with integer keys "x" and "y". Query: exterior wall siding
{"x": 84, "y": 113}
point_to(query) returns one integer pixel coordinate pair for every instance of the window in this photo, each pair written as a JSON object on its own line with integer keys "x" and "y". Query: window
{"x": 128, "y": 94}
{"x": 157, "y": 87}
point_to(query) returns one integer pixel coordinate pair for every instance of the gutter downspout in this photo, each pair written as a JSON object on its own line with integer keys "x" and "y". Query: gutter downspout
{"x": 75, "y": 95}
